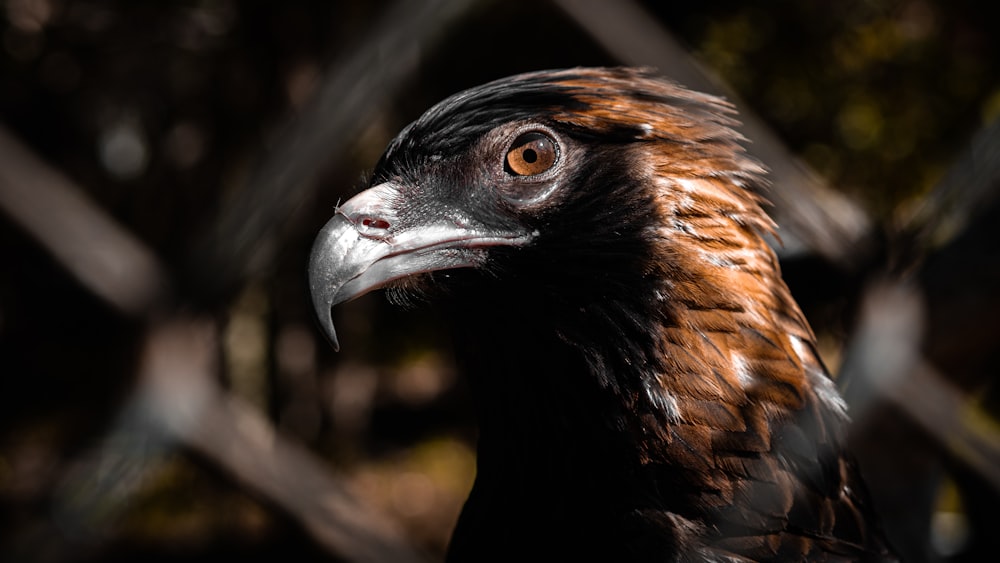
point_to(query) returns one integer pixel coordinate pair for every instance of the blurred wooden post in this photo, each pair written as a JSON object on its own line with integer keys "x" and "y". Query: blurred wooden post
{"x": 91, "y": 245}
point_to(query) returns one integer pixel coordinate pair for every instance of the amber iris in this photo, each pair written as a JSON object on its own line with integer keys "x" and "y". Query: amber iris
{"x": 531, "y": 154}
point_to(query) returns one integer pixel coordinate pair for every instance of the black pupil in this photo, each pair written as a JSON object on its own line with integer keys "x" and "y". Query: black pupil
{"x": 529, "y": 155}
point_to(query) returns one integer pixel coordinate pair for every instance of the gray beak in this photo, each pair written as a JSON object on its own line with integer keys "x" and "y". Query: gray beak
{"x": 366, "y": 245}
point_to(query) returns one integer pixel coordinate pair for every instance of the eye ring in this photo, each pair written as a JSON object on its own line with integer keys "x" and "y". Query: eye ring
{"x": 532, "y": 153}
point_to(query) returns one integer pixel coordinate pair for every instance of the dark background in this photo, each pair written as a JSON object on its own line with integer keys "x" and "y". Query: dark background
{"x": 185, "y": 121}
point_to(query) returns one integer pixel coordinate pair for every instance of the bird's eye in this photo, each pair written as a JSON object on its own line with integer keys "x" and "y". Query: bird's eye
{"x": 531, "y": 154}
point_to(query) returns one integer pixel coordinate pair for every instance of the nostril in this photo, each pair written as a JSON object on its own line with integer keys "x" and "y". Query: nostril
{"x": 373, "y": 212}
{"x": 374, "y": 223}
{"x": 372, "y": 227}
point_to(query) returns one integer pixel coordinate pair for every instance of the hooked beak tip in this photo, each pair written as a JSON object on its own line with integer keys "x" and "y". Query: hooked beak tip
{"x": 323, "y": 307}
{"x": 331, "y": 332}
{"x": 323, "y": 281}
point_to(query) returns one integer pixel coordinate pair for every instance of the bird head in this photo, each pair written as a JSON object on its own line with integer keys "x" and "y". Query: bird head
{"x": 544, "y": 176}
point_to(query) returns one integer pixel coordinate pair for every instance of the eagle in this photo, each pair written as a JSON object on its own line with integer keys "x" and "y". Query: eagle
{"x": 646, "y": 386}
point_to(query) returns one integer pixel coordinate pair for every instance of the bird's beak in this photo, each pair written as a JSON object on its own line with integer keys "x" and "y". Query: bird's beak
{"x": 367, "y": 244}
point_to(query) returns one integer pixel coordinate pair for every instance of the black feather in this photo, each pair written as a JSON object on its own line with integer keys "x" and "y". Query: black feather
{"x": 648, "y": 389}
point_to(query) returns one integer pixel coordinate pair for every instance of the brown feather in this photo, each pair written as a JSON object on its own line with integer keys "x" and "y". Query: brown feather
{"x": 670, "y": 401}
{"x": 738, "y": 351}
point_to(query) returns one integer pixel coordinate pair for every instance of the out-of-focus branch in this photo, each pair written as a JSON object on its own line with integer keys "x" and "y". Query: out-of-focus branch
{"x": 351, "y": 93}
{"x": 88, "y": 242}
{"x": 884, "y": 358}
{"x": 812, "y": 215}
{"x": 178, "y": 388}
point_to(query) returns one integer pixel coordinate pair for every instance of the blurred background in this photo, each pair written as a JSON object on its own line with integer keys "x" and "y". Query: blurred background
{"x": 164, "y": 166}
